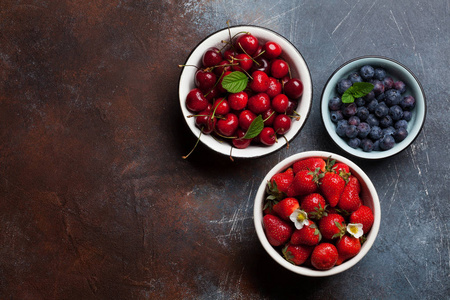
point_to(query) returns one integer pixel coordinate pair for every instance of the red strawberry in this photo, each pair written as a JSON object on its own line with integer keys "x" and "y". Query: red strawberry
{"x": 304, "y": 183}
{"x": 341, "y": 169}
{"x": 349, "y": 199}
{"x": 277, "y": 230}
{"x": 314, "y": 205}
{"x": 286, "y": 207}
{"x": 277, "y": 188}
{"x": 363, "y": 215}
{"x": 331, "y": 186}
{"x": 310, "y": 164}
{"x": 283, "y": 180}
{"x": 324, "y": 256}
{"x": 332, "y": 226}
{"x": 297, "y": 254}
{"x": 347, "y": 247}
{"x": 308, "y": 235}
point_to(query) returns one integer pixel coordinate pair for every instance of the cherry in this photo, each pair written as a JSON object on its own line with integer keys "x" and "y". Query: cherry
{"x": 260, "y": 82}
{"x": 228, "y": 125}
{"x": 245, "y": 62}
{"x": 280, "y": 103}
{"x": 293, "y": 88}
{"x": 246, "y": 118}
{"x": 238, "y": 101}
{"x": 211, "y": 57}
{"x": 268, "y": 117}
{"x": 259, "y": 103}
{"x": 239, "y": 142}
{"x": 274, "y": 87}
{"x": 212, "y": 94}
{"x": 279, "y": 68}
{"x": 205, "y": 80}
{"x": 292, "y": 106}
{"x": 221, "y": 107}
{"x": 258, "y": 51}
{"x": 272, "y": 50}
{"x": 229, "y": 54}
{"x": 247, "y": 43}
{"x": 205, "y": 122}
{"x": 282, "y": 124}
{"x": 223, "y": 66}
{"x": 195, "y": 101}
{"x": 260, "y": 64}
{"x": 267, "y": 136}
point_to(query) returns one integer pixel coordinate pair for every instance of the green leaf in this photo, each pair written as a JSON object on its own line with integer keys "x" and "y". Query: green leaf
{"x": 357, "y": 90}
{"x": 347, "y": 98}
{"x": 255, "y": 128}
{"x": 235, "y": 82}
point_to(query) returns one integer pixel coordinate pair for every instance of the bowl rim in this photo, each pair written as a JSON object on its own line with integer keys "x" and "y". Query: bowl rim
{"x": 403, "y": 147}
{"x": 306, "y": 271}
{"x": 308, "y": 75}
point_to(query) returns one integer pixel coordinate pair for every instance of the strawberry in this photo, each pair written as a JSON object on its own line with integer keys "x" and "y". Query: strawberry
{"x": 314, "y": 205}
{"x": 363, "y": 215}
{"x": 332, "y": 226}
{"x": 283, "y": 180}
{"x": 342, "y": 170}
{"x": 309, "y": 235}
{"x": 349, "y": 200}
{"x": 310, "y": 164}
{"x": 286, "y": 207}
{"x": 304, "y": 183}
{"x": 277, "y": 230}
{"x": 331, "y": 186}
{"x": 347, "y": 247}
{"x": 277, "y": 188}
{"x": 297, "y": 254}
{"x": 324, "y": 256}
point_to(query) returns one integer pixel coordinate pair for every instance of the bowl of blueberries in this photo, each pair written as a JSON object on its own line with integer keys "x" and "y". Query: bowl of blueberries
{"x": 373, "y": 107}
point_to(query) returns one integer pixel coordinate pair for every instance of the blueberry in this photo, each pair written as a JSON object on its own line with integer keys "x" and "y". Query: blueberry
{"x": 378, "y": 87}
{"x": 351, "y": 131}
{"x": 396, "y": 112}
{"x": 388, "y": 131}
{"x": 354, "y": 120}
{"x": 381, "y": 110}
{"x": 335, "y": 103}
{"x": 336, "y": 115}
{"x": 386, "y": 121}
{"x": 354, "y": 142}
{"x": 387, "y": 142}
{"x": 367, "y": 72}
{"x": 372, "y": 105}
{"x": 362, "y": 113}
{"x": 372, "y": 120}
{"x": 366, "y": 145}
{"x": 349, "y": 110}
{"x": 400, "y": 134}
{"x": 401, "y": 123}
{"x": 343, "y": 85}
{"x": 354, "y": 77}
{"x": 381, "y": 97}
{"x": 370, "y": 96}
{"x": 341, "y": 128}
{"x": 408, "y": 102}
{"x": 379, "y": 74}
{"x": 400, "y": 86}
{"x": 376, "y": 145}
{"x": 393, "y": 97}
{"x": 375, "y": 133}
{"x": 360, "y": 102}
{"x": 407, "y": 115}
{"x": 388, "y": 83}
{"x": 364, "y": 130}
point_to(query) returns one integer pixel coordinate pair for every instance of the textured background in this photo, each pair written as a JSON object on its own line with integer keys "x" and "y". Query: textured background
{"x": 96, "y": 202}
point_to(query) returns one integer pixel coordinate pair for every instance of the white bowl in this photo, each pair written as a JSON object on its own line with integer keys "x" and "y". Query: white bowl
{"x": 368, "y": 195}
{"x": 398, "y": 72}
{"x": 298, "y": 67}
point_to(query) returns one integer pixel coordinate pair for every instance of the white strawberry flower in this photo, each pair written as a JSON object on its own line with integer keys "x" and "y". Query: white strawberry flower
{"x": 300, "y": 218}
{"x": 355, "y": 229}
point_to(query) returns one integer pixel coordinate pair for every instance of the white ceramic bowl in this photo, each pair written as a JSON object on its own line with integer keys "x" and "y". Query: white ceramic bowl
{"x": 298, "y": 67}
{"x": 368, "y": 195}
{"x": 398, "y": 72}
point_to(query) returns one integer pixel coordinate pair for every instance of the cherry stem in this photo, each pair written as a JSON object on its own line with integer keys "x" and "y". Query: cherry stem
{"x": 195, "y": 146}
{"x": 181, "y": 66}
{"x": 287, "y": 142}
{"x": 231, "y": 157}
{"x": 268, "y": 117}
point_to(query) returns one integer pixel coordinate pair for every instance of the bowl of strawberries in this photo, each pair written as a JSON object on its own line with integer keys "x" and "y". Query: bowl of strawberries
{"x": 317, "y": 213}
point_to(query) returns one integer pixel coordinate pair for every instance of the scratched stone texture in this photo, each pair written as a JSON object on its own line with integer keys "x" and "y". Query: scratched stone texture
{"x": 96, "y": 202}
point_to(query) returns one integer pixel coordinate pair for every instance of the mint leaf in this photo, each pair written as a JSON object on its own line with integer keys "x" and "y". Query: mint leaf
{"x": 235, "y": 82}
{"x": 357, "y": 90}
{"x": 347, "y": 98}
{"x": 255, "y": 128}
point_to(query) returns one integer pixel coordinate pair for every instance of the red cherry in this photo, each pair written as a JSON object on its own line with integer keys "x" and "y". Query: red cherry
{"x": 195, "y": 101}
{"x": 260, "y": 82}
{"x": 260, "y": 64}
{"x": 212, "y": 94}
{"x": 221, "y": 107}
{"x": 279, "y": 68}
{"x": 238, "y": 101}
{"x": 229, "y": 54}
{"x": 272, "y": 50}
{"x": 228, "y": 126}
{"x": 293, "y": 88}
{"x": 292, "y": 106}
{"x": 282, "y": 124}
{"x": 239, "y": 142}
{"x": 268, "y": 117}
{"x": 259, "y": 103}
{"x": 247, "y": 43}
{"x": 274, "y": 87}
{"x": 280, "y": 103}
{"x": 246, "y": 118}
{"x": 267, "y": 136}
{"x": 211, "y": 57}
{"x": 222, "y": 67}
{"x": 244, "y": 62}
{"x": 205, "y": 80}
{"x": 205, "y": 122}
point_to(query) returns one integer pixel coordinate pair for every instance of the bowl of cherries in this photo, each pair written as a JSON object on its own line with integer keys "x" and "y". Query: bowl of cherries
{"x": 245, "y": 91}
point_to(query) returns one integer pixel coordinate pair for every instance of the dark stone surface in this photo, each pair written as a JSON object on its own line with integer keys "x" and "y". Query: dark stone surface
{"x": 96, "y": 202}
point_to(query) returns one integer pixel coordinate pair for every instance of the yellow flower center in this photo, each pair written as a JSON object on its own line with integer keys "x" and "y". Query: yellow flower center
{"x": 301, "y": 218}
{"x": 354, "y": 229}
